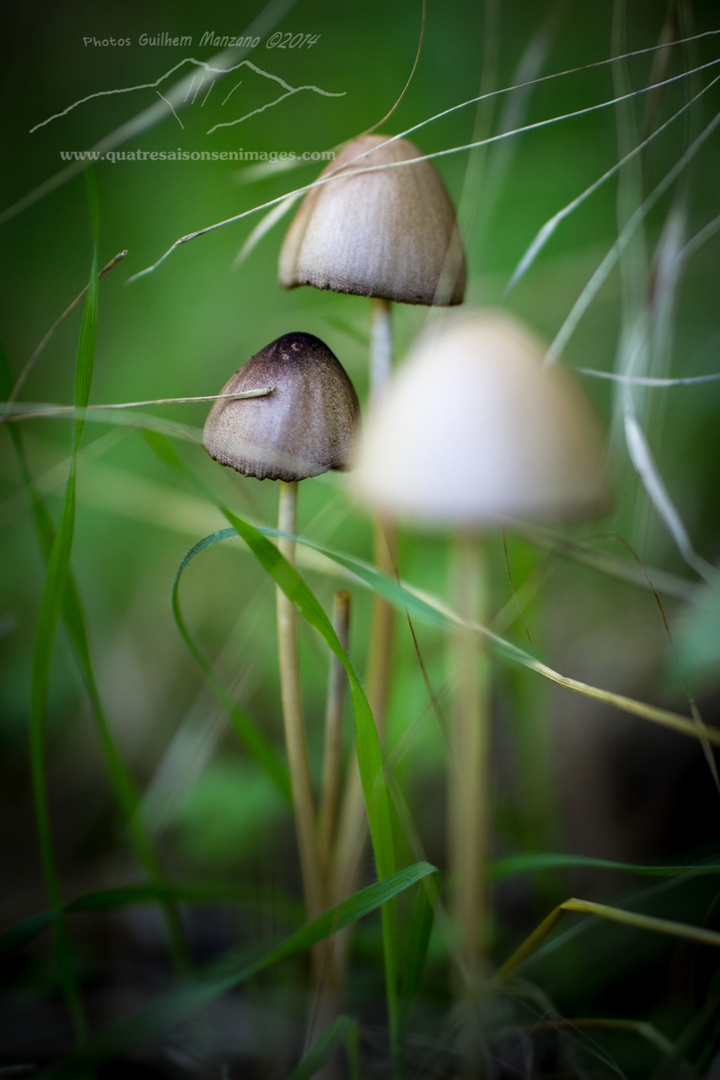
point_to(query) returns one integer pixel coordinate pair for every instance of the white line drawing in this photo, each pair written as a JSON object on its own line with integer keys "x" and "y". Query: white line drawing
{"x": 213, "y": 73}
{"x": 227, "y": 97}
{"x": 171, "y": 107}
{"x": 187, "y": 92}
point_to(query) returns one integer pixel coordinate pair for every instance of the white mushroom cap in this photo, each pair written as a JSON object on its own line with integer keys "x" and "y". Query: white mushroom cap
{"x": 305, "y": 427}
{"x": 474, "y": 430}
{"x": 390, "y": 234}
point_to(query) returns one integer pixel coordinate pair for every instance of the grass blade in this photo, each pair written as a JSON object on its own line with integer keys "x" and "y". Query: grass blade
{"x": 367, "y": 742}
{"x": 697, "y": 934}
{"x": 530, "y": 862}
{"x": 54, "y": 592}
{"x": 435, "y": 613}
{"x": 593, "y": 286}
{"x": 644, "y": 465}
{"x": 123, "y": 896}
{"x": 73, "y": 617}
{"x": 323, "y": 1048}
{"x": 258, "y": 746}
{"x": 184, "y": 1002}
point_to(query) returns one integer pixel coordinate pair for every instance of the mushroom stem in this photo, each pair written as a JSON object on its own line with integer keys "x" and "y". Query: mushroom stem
{"x": 295, "y": 738}
{"x": 469, "y": 792}
{"x": 353, "y": 823}
{"x": 380, "y": 345}
{"x": 378, "y": 668}
{"x": 332, "y": 759}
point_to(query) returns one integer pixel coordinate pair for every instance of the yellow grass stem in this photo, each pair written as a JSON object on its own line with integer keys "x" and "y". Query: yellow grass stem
{"x": 295, "y": 737}
{"x": 469, "y": 811}
{"x": 628, "y": 918}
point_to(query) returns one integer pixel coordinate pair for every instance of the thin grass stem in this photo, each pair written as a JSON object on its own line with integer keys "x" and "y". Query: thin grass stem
{"x": 295, "y": 736}
{"x": 469, "y": 781}
{"x": 332, "y": 758}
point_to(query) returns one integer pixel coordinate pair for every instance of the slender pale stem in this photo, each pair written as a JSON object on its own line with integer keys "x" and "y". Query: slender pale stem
{"x": 380, "y": 346}
{"x": 352, "y": 823}
{"x": 469, "y": 781}
{"x": 332, "y": 758}
{"x": 377, "y": 676}
{"x": 351, "y": 833}
{"x": 295, "y": 738}
{"x": 378, "y": 672}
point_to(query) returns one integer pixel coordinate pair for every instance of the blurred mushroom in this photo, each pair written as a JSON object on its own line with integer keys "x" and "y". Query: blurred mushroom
{"x": 476, "y": 431}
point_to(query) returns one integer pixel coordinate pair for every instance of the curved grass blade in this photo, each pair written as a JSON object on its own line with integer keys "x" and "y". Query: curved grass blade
{"x": 425, "y": 157}
{"x": 432, "y": 611}
{"x": 593, "y": 286}
{"x": 548, "y": 229}
{"x": 324, "y": 1046}
{"x": 368, "y": 744}
{"x": 259, "y": 747}
{"x": 697, "y": 934}
{"x": 16, "y": 937}
{"x": 369, "y": 754}
{"x": 183, "y": 1003}
{"x": 267, "y": 222}
{"x": 644, "y": 464}
{"x": 20, "y": 935}
{"x": 533, "y": 861}
{"x": 641, "y": 1028}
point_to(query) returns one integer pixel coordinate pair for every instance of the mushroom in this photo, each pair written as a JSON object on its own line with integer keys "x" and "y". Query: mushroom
{"x": 476, "y": 431}
{"x": 305, "y": 425}
{"x": 389, "y": 233}
{"x": 379, "y": 224}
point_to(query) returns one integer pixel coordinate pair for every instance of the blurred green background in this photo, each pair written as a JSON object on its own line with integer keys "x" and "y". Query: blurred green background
{"x": 571, "y": 775}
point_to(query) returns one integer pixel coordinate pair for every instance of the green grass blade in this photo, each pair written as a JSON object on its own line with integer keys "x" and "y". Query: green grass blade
{"x": 51, "y": 604}
{"x": 106, "y": 900}
{"x": 417, "y": 948}
{"x": 24, "y": 932}
{"x": 436, "y": 613}
{"x": 323, "y": 1047}
{"x": 183, "y": 1003}
{"x": 534, "y": 861}
{"x": 258, "y": 746}
{"x": 369, "y": 754}
{"x": 698, "y": 934}
{"x": 73, "y": 618}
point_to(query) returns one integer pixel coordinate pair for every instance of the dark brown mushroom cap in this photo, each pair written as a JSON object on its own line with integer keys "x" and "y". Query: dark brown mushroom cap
{"x": 391, "y": 233}
{"x": 306, "y": 426}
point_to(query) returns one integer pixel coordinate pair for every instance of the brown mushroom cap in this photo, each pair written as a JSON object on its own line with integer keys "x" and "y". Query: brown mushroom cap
{"x": 390, "y": 234}
{"x": 306, "y": 426}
